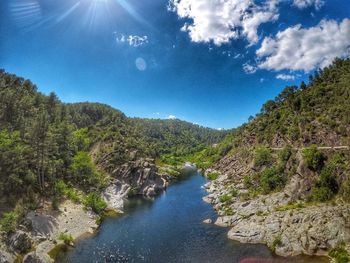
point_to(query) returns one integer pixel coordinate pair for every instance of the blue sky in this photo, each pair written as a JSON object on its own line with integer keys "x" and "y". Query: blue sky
{"x": 210, "y": 62}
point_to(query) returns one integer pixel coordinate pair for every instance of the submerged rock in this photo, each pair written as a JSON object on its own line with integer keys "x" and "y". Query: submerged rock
{"x": 208, "y": 221}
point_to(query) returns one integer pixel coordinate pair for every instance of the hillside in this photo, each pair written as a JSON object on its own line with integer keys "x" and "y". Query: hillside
{"x": 44, "y": 141}
{"x": 285, "y": 180}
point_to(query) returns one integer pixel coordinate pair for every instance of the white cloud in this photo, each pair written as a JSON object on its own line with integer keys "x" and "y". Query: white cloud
{"x": 132, "y": 40}
{"x": 249, "y": 69}
{"x": 306, "y": 3}
{"x": 171, "y": 117}
{"x": 285, "y": 77}
{"x": 298, "y": 48}
{"x": 220, "y": 21}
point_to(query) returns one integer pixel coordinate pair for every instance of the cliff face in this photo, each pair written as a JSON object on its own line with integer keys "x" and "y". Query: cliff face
{"x": 139, "y": 177}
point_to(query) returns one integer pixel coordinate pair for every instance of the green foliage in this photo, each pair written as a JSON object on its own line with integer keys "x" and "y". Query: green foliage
{"x": 213, "y": 175}
{"x": 84, "y": 172}
{"x": 272, "y": 179}
{"x": 263, "y": 156}
{"x": 8, "y": 223}
{"x": 66, "y": 238}
{"x": 290, "y": 206}
{"x": 225, "y": 198}
{"x": 62, "y": 189}
{"x": 95, "y": 202}
{"x": 327, "y": 185}
{"x": 247, "y": 181}
{"x": 285, "y": 153}
{"x": 340, "y": 254}
{"x": 276, "y": 242}
{"x": 346, "y": 189}
{"x": 314, "y": 159}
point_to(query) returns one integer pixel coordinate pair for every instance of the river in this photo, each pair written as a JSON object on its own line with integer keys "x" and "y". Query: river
{"x": 168, "y": 229}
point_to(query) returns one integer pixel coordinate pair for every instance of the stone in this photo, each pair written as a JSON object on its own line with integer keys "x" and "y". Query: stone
{"x": 208, "y": 221}
{"x": 20, "y": 241}
{"x": 33, "y": 257}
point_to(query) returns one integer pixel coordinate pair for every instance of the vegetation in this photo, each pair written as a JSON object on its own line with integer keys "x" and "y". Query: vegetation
{"x": 213, "y": 175}
{"x": 340, "y": 254}
{"x": 95, "y": 202}
{"x": 8, "y": 223}
{"x": 262, "y": 156}
{"x": 314, "y": 159}
{"x": 66, "y": 238}
{"x": 52, "y": 150}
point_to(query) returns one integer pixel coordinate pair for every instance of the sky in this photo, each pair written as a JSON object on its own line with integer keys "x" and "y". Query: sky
{"x": 210, "y": 62}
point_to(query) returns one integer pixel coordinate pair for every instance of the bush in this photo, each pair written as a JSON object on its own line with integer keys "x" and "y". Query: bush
{"x": 340, "y": 254}
{"x": 66, "y": 238}
{"x": 313, "y": 158}
{"x": 272, "y": 179}
{"x": 95, "y": 202}
{"x": 285, "y": 153}
{"x": 276, "y": 242}
{"x": 321, "y": 194}
{"x": 247, "y": 181}
{"x": 345, "y": 192}
{"x": 224, "y": 198}
{"x": 263, "y": 156}
{"x": 63, "y": 189}
{"x": 9, "y": 221}
{"x": 213, "y": 175}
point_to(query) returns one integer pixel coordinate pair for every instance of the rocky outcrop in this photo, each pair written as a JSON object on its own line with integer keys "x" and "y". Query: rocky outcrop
{"x": 4, "y": 258}
{"x": 281, "y": 220}
{"x": 20, "y": 242}
{"x": 140, "y": 177}
{"x": 32, "y": 257}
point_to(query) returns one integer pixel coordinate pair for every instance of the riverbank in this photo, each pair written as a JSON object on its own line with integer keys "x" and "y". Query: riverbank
{"x": 284, "y": 220}
{"x": 44, "y": 229}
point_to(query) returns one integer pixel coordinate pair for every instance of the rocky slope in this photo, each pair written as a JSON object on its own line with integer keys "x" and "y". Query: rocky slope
{"x": 40, "y": 232}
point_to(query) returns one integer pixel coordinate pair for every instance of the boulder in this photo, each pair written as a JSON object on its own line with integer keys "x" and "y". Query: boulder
{"x": 20, "y": 242}
{"x": 33, "y": 257}
{"x": 208, "y": 221}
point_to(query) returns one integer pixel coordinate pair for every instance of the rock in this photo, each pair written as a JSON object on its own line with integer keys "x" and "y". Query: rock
{"x": 4, "y": 258}
{"x": 208, "y": 221}
{"x": 20, "y": 242}
{"x": 33, "y": 257}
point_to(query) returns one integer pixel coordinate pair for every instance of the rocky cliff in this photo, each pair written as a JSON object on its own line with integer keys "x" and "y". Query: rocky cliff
{"x": 285, "y": 219}
{"x": 139, "y": 177}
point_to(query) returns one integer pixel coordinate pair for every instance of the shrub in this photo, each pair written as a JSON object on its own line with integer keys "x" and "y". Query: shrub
{"x": 313, "y": 158}
{"x": 321, "y": 194}
{"x": 234, "y": 192}
{"x": 285, "y": 153}
{"x": 8, "y": 223}
{"x": 247, "y": 181}
{"x": 276, "y": 242}
{"x": 345, "y": 192}
{"x": 225, "y": 198}
{"x": 272, "y": 179}
{"x": 62, "y": 189}
{"x": 263, "y": 156}
{"x": 66, "y": 238}
{"x": 95, "y": 202}
{"x": 213, "y": 175}
{"x": 340, "y": 254}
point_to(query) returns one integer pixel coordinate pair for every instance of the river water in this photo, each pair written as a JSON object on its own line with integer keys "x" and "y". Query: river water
{"x": 168, "y": 229}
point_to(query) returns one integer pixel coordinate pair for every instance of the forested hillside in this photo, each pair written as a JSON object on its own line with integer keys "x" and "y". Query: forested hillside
{"x": 284, "y": 177}
{"x": 316, "y": 113}
{"x": 44, "y": 141}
